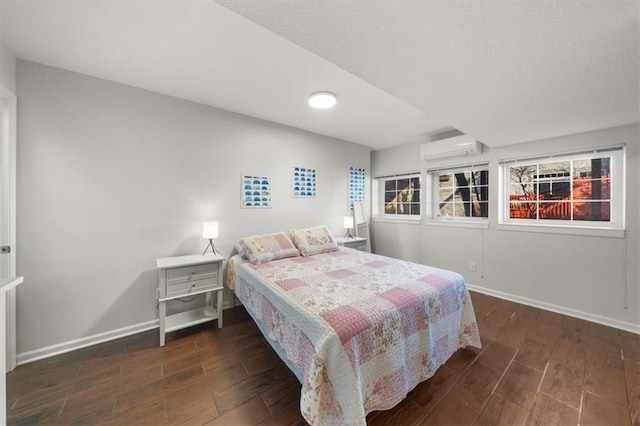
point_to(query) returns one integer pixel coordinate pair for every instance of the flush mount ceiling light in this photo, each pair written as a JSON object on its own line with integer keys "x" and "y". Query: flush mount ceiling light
{"x": 322, "y": 100}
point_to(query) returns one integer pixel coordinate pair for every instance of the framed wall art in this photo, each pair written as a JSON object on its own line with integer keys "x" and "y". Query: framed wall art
{"x": 356, "y": 185}
{"x": 256, "y": 192}
{"x": 304, "y": 182}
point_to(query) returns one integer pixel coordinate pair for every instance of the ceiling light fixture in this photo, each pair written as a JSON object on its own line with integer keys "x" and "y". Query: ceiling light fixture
{"x": 322, "y": 100}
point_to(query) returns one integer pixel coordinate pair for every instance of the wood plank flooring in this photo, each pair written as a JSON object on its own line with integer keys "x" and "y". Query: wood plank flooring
{"x": 536, "y": 368}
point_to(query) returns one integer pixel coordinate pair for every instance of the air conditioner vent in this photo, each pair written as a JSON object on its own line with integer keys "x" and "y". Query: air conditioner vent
{"x": 450, "y": 147}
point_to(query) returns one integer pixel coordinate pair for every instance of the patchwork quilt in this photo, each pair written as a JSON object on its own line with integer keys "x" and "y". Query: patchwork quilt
{"x": 361, "y": 329}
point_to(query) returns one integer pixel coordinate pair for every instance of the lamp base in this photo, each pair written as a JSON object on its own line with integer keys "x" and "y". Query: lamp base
{"x": 348, "y": 234}
{"x": 213, "y": 248}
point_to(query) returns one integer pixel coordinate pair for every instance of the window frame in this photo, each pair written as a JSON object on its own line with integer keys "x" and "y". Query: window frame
{"x": 615, "y": 227}
{"x": 433, "y": 196}
{"x": 379, "y": 197}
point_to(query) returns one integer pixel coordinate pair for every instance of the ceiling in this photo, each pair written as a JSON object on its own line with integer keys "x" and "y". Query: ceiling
{"x": 404, "y": 71}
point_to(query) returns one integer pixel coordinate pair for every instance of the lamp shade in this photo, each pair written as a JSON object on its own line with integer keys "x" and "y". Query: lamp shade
{"x": 210, "y": 230}
{"x": 348, "y": 222}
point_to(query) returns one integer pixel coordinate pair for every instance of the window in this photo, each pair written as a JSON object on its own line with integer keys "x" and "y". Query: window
{"x": 399, "y": 195}
{"x": 582, "y": 189}
{"x": 460, "y": 193}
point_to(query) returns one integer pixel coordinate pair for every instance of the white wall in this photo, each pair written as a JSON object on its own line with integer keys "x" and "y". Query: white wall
{"x": 111, "y": 177}
{"x": 583, "y": 276}
{"x": 7, "y": 69}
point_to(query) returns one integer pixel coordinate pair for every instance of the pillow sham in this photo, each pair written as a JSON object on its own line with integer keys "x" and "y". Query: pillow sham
{"x": 267, "y": 247}
{"x": 315, "y": 240}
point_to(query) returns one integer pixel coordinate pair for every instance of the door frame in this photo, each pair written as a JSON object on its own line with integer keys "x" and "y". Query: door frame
{"x": 9, "y": 127}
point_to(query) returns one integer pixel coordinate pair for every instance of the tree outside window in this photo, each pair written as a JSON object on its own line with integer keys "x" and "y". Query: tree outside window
{"x": 463, "y": 194}
{"x": 578, "y": 190}
{"x": 402, "y": 195}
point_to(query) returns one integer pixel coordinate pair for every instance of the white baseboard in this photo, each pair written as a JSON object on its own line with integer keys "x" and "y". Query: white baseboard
{"x": 72, "y": 345}
{"x": 622, "y": 325}
{"x": 49, "y": 351}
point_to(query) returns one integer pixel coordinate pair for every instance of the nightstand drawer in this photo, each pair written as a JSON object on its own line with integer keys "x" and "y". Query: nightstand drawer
{"x": 186, "y": 287}
{"x": 194, "y": 272}
{"x": 361, "y": 245}
{"x": 356, "y": 243}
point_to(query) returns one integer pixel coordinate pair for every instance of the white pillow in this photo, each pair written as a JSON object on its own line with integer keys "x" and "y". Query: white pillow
{"x": 268, "y": 247}
{"x": 315, "y": 240}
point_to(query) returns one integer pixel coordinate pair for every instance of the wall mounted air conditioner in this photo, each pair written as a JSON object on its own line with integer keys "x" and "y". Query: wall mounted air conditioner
{"x": 450, "y": 147}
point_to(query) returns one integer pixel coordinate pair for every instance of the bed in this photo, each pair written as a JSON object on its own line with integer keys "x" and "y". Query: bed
{"x": 358, "y": 330}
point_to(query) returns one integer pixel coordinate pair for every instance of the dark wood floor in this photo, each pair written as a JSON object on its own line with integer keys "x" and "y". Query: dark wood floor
{"x": 536, "y": 367}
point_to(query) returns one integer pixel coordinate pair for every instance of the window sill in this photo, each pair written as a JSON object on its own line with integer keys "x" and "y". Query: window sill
{"x": 566, "y": 230}
{"x": 393, "y": 219}
{"x": 458, "y": 224}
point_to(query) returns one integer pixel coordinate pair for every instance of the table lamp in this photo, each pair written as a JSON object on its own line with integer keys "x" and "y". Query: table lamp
{"x": 209, "y": 232}
{"x": 347, "y": 223}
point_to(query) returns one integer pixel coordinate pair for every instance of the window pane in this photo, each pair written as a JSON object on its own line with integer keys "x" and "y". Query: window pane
{"x": 591, "y": 189}
{"x": 481, "y": 193}
{"x": 463, "y": 194}
{"x": 446, "y": 194}
{"x": 522, "y": 210}
{"x": 415, "y": 208}
{"x": 522, "y": 174}
{"x": 446, "y": 181}
{"x": 403, "y": 208}
{"x": 446, "y": 209}
{"x": 389, "y": 197}
{"x": 390, "y": 208}
{"x": 560, "y": 210}
{"x": 596, "y": 211}
{"x": 462, "y": 210}
{"x": 554, "y": 189}
{"x": 594, "y": 167}
{"x": 524, "y": 191}
{"x": 554, "y": 170}
{"x": 416, "y": 195}
{"x": 415, "y": 189}
{"x": 403, "y": 184}
{"x": 390, "y": 185}
{"x": 457, "y": 197}
{"x": 481, "y": 177}
{"x": 461, "y": 179}
{"x": 480, "y": 209}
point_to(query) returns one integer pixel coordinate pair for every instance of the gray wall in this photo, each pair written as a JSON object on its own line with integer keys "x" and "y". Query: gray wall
{"x": 582, "y": 275}
{"x": 7, "y": 69}
{"x": 111, "y": 177}
{"x": 390, "y": 238}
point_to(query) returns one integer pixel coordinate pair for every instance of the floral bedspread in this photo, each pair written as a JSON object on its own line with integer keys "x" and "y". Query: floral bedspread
{"x": 361, "y": 329}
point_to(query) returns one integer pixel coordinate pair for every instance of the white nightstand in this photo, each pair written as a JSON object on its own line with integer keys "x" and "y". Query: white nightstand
{"x": 184, "y": 276}
{"x": 357, "y": 243}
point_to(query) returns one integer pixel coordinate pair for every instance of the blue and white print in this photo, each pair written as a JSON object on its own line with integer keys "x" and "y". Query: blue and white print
{"x": 304, "y": 182}
{"x": 356, "y": 185}
{"x": 256, "y": 192}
